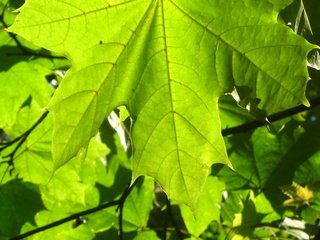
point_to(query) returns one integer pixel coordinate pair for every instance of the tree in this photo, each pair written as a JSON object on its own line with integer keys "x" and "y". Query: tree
{"x": 159, "y": 119}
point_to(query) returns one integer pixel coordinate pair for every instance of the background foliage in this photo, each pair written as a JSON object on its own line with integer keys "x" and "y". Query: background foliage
{"x": 165, "y": 119}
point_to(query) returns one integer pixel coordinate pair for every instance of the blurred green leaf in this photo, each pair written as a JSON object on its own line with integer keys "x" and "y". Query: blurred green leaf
{"x": 19, "y": 203}
{"x": 146, "y": 235}
{"x": 18, "y": 84}
{"x": 139, "y": 204}
{"x": 266, "y": 160}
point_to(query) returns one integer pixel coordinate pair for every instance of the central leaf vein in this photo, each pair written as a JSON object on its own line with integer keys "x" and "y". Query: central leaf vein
{"x": 171, "y": 94}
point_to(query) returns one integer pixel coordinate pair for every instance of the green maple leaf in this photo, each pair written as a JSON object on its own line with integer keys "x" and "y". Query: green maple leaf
{"x": 168, "y": 61}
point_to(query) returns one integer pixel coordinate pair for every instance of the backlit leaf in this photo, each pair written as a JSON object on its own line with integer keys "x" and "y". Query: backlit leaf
{"x": 168, "y": 62}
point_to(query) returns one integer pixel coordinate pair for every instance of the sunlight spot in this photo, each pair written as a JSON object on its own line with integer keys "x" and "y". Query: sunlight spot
{"x": 313, "y": 118}
{"x": 119, "y": 127}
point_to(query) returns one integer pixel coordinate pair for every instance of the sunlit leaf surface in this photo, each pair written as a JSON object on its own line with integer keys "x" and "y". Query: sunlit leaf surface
{"x": 168, "y": 62}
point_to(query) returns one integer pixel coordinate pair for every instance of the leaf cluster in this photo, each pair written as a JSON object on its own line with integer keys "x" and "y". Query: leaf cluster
{"x": 159, "y": 119}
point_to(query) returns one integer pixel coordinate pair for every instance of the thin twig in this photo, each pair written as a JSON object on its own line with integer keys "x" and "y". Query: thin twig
{"x": 29, "y": 52}
{"x": 119, "y": 202}
{"x": 21, "y": 139}
{"x": 272, "y": 118}
{"x": 5, "y": 173}
{"x": 25, "y": 134}
{"x": 121, "y": 205}
{"x": 174, "y": 223}
{"x": 12, "y": 35}
{"x": 165, "y": 226}
{"x": 5, "y": 25}
{"x": 67, "y": 219}
{"x": 3, "y": 11}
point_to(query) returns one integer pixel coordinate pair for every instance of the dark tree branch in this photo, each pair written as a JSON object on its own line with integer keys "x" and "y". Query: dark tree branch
{"x": 64, "y": 220}
{"x": 79, "y": 215}
{"x": 29, "y": 52}
{"x": 272, "y": 118}
{"x": 121, "y": 205}
{"x": 165, "y": 225}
